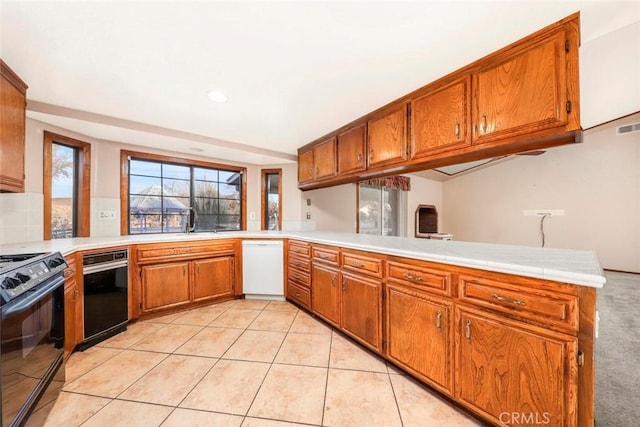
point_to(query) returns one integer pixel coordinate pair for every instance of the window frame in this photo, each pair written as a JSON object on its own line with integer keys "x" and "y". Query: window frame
{"x": 401, "y": 214}
{"x": 125, "y": 155}
{"x": 264, "y": 221}
{"x": 83, "y": 183}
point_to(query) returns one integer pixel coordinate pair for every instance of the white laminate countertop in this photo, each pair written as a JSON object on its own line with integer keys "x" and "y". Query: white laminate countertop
{"x": 564, "y": 265}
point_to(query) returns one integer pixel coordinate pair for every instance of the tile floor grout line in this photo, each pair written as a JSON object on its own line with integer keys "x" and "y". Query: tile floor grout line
{"x": 326, "y": 382}
{"x": 95, "y": 413}
{"x": 143, "y": 375}
{"x": 85, "y": 373}
{"x": 395, "y": 398}
{"x": 283, "y": 421}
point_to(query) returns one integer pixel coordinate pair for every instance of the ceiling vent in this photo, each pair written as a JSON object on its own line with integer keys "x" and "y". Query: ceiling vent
{"x": 633, "y": 127}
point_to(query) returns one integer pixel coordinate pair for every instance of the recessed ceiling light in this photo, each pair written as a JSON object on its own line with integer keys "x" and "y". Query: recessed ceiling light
{"x": 217, "y": 96}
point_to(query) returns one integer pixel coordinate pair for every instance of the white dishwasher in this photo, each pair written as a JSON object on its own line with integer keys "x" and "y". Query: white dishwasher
{"x": 262, "y": 269}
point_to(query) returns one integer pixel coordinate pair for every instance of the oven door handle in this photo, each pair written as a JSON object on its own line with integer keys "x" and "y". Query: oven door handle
{"x": 104, "y": 267}
{"x": 30, "y": 298}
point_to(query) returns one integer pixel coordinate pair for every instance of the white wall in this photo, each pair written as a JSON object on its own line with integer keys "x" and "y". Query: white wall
{"x": 596, "y": 182}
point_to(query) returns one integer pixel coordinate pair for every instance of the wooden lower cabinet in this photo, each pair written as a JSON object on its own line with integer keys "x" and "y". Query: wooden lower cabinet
{"x": 361, "y": 310}
{"x": 513, "y": 373}
{"x": 325, "y": 295}
{"x": 164, "y": 285}
{"x": 419, "y": 335}
{"x": 73, "y": 315}
{"x": 213, "y": 278}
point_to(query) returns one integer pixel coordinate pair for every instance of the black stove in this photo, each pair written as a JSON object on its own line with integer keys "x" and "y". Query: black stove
{"x": 26, "y": 272}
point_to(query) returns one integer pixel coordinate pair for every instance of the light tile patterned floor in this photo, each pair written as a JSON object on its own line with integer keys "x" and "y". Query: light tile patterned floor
{"x": 241, "y": 363}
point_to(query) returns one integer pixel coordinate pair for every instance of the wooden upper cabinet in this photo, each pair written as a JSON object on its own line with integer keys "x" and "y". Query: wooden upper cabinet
{"x": 13, "y": 103}
{"x": 388, "y": 138}
{"x": 523, "y": 94}
{"x": 317, "y": 162}
{"x": 352, "y": 150}
{"x": 305, "y": 166}
{"x": 440, "y": 119}
{"x": 324, "y": 159}
{"x": 504, "y": 367}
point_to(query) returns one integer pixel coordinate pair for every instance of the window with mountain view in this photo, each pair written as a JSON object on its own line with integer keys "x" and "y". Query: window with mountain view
{"x": 167, "y": 197}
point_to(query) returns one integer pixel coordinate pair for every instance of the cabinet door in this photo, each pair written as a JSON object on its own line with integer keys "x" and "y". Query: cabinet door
{"x": 12, "y": 135}
{"x": 362, "y": 310}
{"x": 351, "y": 150}
{"x": 324, "y": 159}
{"x": 70, "y": 303}
{"x": 388, "y": 138}
{"x": 325, "y": 293}
{"x": 524, "y": 94}
{"x": 213, "y": 278}
{"x": 439, "y": 120}
{"x": 305, "y": 166}
{"x": 419, "y": 335}
{"x": 505, "y": 368}
{"x": 165, "y": 285}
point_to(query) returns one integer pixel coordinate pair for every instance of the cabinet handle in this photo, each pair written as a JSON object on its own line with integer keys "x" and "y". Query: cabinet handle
{"x": 357, "y": 265}
{"x": 508, "y": 300}
{"x": 483, "y": 125}
{"x": 439, "y": 320}
{"x": 359, "y": 158}
{"x": 298, "y": 264}
{"x": 184, "y": 271}
{"x": 344, "y": 284}
{"x": 333, "y": 281}
{"x": 413, "y": 278}
{"x": 457, "y": 129}
{"x": 371, "y": 155}
{"x": 323, "y": 256}
{"x": 198, "y": 269}
{"x": 298, "y": 294}
{"x": 467, "y": 330}
{"x": 69, "y": 272}
{"x": 75, "y": 294}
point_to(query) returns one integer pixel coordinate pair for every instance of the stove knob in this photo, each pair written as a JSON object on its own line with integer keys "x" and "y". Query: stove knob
{"x": 23, "y": 278}
{"x": 10, "y": 282}
{"x": 55, "y": 261}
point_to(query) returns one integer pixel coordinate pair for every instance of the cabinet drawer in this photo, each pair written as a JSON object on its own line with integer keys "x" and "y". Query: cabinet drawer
{"x": 524, "y": 302}
{"x": 298, "y": 294}
{"x": 433, "y": 280}
{"x": 299, "y": 263}
{"x": 299, "y": 249}
{"x": 326, "y": 255}
{"x": 301, "y": 278}
{"x": 154, "y": 253}
{"x": 362, "y": 264}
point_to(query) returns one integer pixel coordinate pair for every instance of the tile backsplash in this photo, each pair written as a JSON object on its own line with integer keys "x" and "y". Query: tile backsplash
{"x": 21, "y": 217}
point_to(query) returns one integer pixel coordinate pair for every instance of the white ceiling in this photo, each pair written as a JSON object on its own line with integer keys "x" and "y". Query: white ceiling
{"x": 138, "y": 71}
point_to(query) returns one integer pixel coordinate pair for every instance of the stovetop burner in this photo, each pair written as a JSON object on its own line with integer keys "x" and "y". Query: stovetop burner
{"x": 23, "y": 272}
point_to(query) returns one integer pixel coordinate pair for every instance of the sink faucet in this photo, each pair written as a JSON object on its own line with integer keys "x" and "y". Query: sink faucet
{"x": 187, "y": 228}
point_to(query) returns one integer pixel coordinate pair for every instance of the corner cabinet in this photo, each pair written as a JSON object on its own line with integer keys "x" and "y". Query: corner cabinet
{"x": 505, "y": 367}
{"x": 525, "y": 93}
{"x": 13, "y": 103}
{"x": 318, "y": 162}
{"x": 183, "y": 274}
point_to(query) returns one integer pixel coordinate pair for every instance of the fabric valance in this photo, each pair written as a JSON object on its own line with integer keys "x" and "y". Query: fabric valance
{"x": 395, "y": 182}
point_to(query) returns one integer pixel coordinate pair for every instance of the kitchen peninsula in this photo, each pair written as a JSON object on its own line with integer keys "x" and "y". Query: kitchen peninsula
{"x": 496, "y": 328}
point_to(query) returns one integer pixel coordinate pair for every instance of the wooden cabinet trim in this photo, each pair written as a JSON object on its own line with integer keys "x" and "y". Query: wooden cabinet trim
{"x": 154, "y": 252}
{"x": 326, "y": 255}
{"x": 427, "y": 279}
{"x": 362, "y": 264}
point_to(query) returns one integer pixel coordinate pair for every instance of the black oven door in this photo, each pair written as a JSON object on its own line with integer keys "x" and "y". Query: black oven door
{"x": 32, "y": 348}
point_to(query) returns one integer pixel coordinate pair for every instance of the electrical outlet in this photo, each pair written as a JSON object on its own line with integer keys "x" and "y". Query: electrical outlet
{"x": 252, "y": 216}
{"x": 542, "y": 212}
{"x": 308, "y": 215}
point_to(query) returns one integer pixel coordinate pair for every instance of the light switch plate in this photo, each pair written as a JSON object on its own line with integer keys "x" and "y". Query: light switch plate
{"x": 107, "y": 215}
{"x": 252, "y": 216}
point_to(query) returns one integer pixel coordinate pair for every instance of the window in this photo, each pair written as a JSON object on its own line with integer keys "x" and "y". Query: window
{"x": 66, "y": 187}
{"x": 382, "y": 206}
{"x": 170, "y": 195}
{"x": 271, "y": 205}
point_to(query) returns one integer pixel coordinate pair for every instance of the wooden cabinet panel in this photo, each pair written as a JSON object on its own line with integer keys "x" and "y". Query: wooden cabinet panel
{"x": 300, "y": 249}
{"x": 361, "y": 310}
{"x": 299, "y": 294}
{"x": 504, "y": 367}
{"x": 325, "y": 293}
{"x": 13, "y": 104}
{"x": 352, "y": 150}
{"x": 324, "y": 159}
{"x": 299, "y": 277}
{"x": 416, "y": 275}
{"x": 300, "y": 263}
{"x": 440, "y": 120}
{"x": 305, "y": 166}
{"x": 165, "y": 285}
{"x": 183, "y": 251}
{"x": 362, "y": 264}
{"x": 326, "y": 255}
{"x": 524, "y": 94}
{"x": 525, "y": 302}
{"x": 419, "y": 337}
{"x": 73, "y": 315}
{"x": 213, "y": 278}
{"x": 388, "y": 138}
